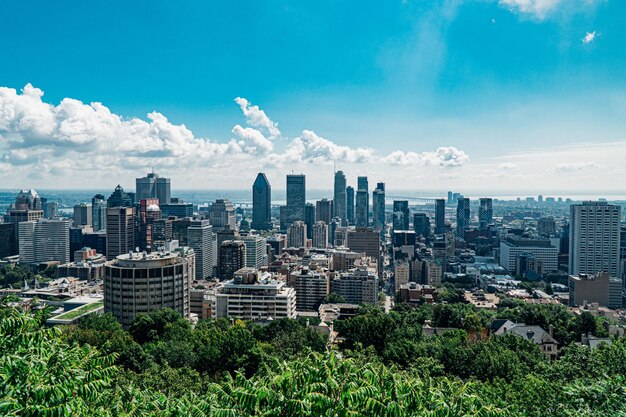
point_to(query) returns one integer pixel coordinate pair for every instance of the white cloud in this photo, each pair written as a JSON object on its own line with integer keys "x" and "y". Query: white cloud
{"x": 446, "y": 157}
{"x": 507, "y": 166}
{"x": 575, "y": 166}
{"x": 541, "y": 9}
{"x": 256, "y": 117}
{"x": 309, "y": 147}
{"x": 590, "y": 37}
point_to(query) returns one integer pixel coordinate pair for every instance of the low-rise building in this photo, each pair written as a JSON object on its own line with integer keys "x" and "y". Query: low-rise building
{"x": 600, "y": 288}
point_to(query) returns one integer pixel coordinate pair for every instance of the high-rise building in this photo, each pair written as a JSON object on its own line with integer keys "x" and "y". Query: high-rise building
{"x": 320, "y": 235}
{"x": 120, "y": 231}
{"x": 485, "y": 213}
{"x": 8, "y": 240}
{"x": 364, "y": 240}
{"x": 462, "y": 216}
{"x": 138, "y": 283}
{"x": 162, "y": 232}
{"x": 311, "y": 288}
{"x": 378, "y": 207}
{"x": 44, "y": 240}
{"x": 296, "y": 198}
{"x": 450, "y": 197}
{"x": 309, "y": 219}
{"x": 98, "y": 212}
{"x": 222, "y": 215}
{"x": 179, "y": 231}
{"x": 261, "y": 203}
{"x": 153, "y": 186}
{"x": 440, "y": 215}
{"x": 594, "y": 239}
{"x": 296, "y": 234}
{"x": 340, "y": 203}
{"x": 350, "y": 204}
{"x": 546, "y": 226}
{"x": 256, "y": 251}
{"x": 232, "y": 257}
{"x": 541, "y": 250}
{"x": 120, "y": 198}
{"x": 50, "y": 209}
{"x": 421, "y": 224}
{"x": 149, "y": 212}
{"x": 401, "y": 215}
{"x": 176, "y": 208}
{"x": 599, "y": 288}
{"x": 27, "y": 207}
{"x": 324, "y": 211}
{"x": 83, "y": 214}
{"x": 200, "y": 238}
{"x": 358, "y": 286}
{"x": 361, "y": 216}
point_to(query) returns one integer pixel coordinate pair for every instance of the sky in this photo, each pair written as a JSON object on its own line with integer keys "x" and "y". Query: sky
{"x": 490, "y": 96}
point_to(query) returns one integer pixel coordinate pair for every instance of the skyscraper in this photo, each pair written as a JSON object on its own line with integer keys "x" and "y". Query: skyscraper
{"x": 401, "y": 215}
{"x": 232, "y": 257}
{"x": 485, "y": 213}
{"x": 340, "y": 208}
{"x": 44, "y": 240}
{"x": 362, "y": 210}
{"x": 324, "y": 210}
{"x": 378, "y": 206}
{"x": 149, "y": 212}
{"x": 120, "y": 198}
{"x": 320, "y": 235}
{"x": 120, "y": 231}
{"x": 421, "y": 224}
{"x": 153, "y": 186}
{"x": 261, "y": 203}
{"x": 222, "y": 215}
{"x": 98, "y": 212}
{"x": 462, "y": 216}
{"x": 440, "y": 215}
{"x": 350, "y": 204}
{"x": 594, "y": 239}
{"x": 296, "y": 198}
{"x": 296, "y": 235}
{"x": 83, "y": 214}
{"x": 256, "y": 251}
{"x": 309, "y": 219}
{"x": 200, "y": 238}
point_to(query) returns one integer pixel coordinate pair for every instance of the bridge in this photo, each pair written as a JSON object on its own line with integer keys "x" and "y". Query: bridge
{"x": 412, "y": 199}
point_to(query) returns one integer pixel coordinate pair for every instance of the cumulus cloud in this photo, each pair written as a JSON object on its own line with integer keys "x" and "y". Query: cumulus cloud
{"x": 541, "y": 9}
{"x": 507, "y": 166}
{"x": 256, "y": 117}
{"x": 590, "y": 37}
{"x": 575, "y": 166}
{"x": 446, "y": 157}
{"x": 309, "y": 147}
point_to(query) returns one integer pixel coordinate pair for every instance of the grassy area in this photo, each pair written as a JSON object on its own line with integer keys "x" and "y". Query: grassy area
{"x": 79, "y": 311}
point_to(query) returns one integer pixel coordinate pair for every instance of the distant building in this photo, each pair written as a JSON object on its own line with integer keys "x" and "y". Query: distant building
{"x": 120, "y": 198}
{"x": 594, "y": 238}
{"x": 362, "y": 211}
{"x": 440, "y": 215}
{"x": 261, "y": 203}
{"x": 296, "y": 198}
{"x": 401, "y": 215}
{"x": 601, "y": 288}
{"x": 485, "y": 213}
{"x": 364, "y": 240}
{"x": 44, "y": 240}
{"x": 232, "y": 257}
{"x": 541, "y": 249}
{"x": 340, "y": 209}
{"x": 8, "y": 240}
{"x": 401, "y": 274}
{"x": 98, "y": 212}
{"x": 256, "y": 251}
{"x": 296, "y": 235}
{"x": 350, "y": 204}
{"x": 546, "y": 226}
{"x": 176, "y": 209}
{"x": 462, "y": 216}
{"x": 378, "y": 207}
{"x": 222, "y": 215}
{"x": 309, "y": 219}
{"x": 149, "y": 212}
{"x": 324, "y": 211}
{"x": 83, "y": 215}
{"x": 200, "y": 239}
{"x": 320, "y": 235}
{"x": 50, "y": 209}
{"x": 421, "y": 225}
{"x": 120, "y": 233}
{"x": 138, "y": 283}
{"x": 153, "y": 186}
{"x": 311, "y": 288}
{"x": 358, "y": 286}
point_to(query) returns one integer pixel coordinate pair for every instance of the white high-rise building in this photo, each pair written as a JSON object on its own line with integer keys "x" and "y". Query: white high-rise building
{"x": 296, "y": 234}
{"x": 256, "y": 250}
{"x": 200, "y": 239}
{"x": 594, "y": 238}
{"x": 44, "y": 240}
{"x": 320, "y": 235}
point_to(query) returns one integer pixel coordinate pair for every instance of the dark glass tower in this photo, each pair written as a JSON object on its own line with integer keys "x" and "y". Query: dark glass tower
{"x": 485, "y": 213}
{"x": 296, "y": 198}
{"x": 462, "y": 216}
{"x": 350, "y": 204}
{"x": 401, "y": 215}
{"x": 362, "y": 211}
{"x": 440, "y": 216}
{"x": 261, "y": 203}
{"x": 340, "y": 209}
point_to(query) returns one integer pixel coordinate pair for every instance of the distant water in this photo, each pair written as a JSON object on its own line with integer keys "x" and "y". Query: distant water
{"x": 68, "y": 198}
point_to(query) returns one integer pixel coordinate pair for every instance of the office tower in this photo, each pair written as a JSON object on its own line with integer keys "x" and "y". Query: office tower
{"x": 309, "y": 219}
{"x": 120, "y": 198}
{"x": 253, "y": 295}
{"x": 162, "y": 233}
{"x": 83, "y": 214}
{"x": 541, "y": 250}
{"x": 27, "y": 207}
{"x": 120, "y": 231}
{"x": 261, "y": 203}
{"x": 8, "y": 240}
{"x": 362, "y": 206}
{"x": 340, "y": 202}
{"x": 358, "y": 286}
{"x": 440, "y": 216}
{"x": 176, "y": 208}
{"x": 462, "y": 216}
{"x": 50, "y": 209}
{"x": 622, "y": 253}
{"x": 312, "y": 286}
{"x": 77, "y": 238}
{"x": 179, "y": 230}
{"x": 421, "y": 225}
{"x": 222, "y": 215}
{"x": 282, "y": 218}
{"x": 296, "y": 198}
{"x": 296, "y": 235}
{"x": 44, "y": 240}
{"x": 378, "y": 207}
{"x": 324, "y": 211}
{"x": 401, "y": 215}
{"x": 320, "y": 235}
{"x": 232, "y": 257}
{"x": 149, "y": 212}
{"x": 350, "y": 204}
{"x": 450, "y": 197}
{"x": 200, "y": 238}
{"x": 594, "y": 238}
{"x": 485, "y": 213}
{"x": 96, "y": 240}
{"x": 138, "y": 283}
{"x": 546, "y": 226}
{"x": 153, "y": 186}
{"x": 364, "y": 240}
{"x": 256, "y": 251}
{"x": 335, "y": 223}
{"x": 98, "y": 212}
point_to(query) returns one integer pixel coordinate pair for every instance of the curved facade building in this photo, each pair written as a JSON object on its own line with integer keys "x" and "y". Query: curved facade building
{"x": 138, "y": 283}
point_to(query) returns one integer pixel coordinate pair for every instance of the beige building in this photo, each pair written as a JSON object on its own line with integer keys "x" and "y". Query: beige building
{"x": 600, "y": 288}
{"x": 401, "y": 272}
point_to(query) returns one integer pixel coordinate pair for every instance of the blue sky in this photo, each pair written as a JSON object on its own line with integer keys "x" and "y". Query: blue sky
{"x": 530, "y": 89}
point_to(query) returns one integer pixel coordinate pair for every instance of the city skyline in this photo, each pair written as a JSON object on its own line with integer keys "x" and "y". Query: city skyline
{"x": 531, "y": 101}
